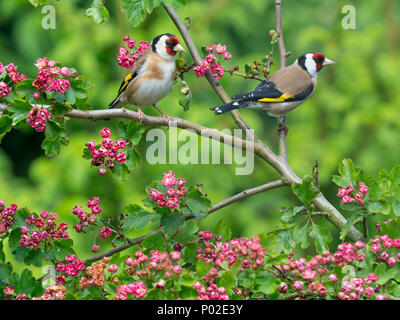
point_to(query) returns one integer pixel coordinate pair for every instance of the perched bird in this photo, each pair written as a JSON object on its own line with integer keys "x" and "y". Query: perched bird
{"x": 284, "y": 90}
{"x": 152, "y": 77}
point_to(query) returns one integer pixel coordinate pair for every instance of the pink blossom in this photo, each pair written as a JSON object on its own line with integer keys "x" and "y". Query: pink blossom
{"x": 220, "y": 49}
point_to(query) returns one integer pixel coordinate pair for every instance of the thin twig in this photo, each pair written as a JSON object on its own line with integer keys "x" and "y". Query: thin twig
{"x": 242, "y": 195}
{"x": 282, "y": 60}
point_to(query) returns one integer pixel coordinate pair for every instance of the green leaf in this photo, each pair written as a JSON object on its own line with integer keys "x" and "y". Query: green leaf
{"x": 321, "y": 237}
{"x": 20, "y": 110}
{"x": 202, "y": 268}
{"x": 287, "y": 214}
{"x": 380, "y": 206}
{"x": 154, "y": 242}
{"x": 198, "y": 204}
{"x": 35, "y": 3}
{"x": 266, "y": 283}
{"x": 136, "y": 10}
{"x": 34, "y": 257}
{"x": 353, "y": 220}
{"x": 2, "y": 255}
{"x": 228, "y": 278}
{"x": 348, "y": 173}
{"x": 98, "y": 12}
{"x": 56, "y": 135}
{"x": 27, "y": 284}
{"x": 222, "y": 229}
{"x": 5, "y": 272}
{"x": 137, "y": 218}
{"x": 5, "y": 125}
{"x": 306, "y": 191}
{"x": 172, "y": 222}
{"x": 188, "y": 232}
{"x": 300, "y": 235}
{"x": 132, "y": 159}
{"x": 121, "y": 171}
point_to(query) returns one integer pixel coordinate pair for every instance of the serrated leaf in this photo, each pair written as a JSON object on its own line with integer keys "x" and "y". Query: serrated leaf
{"x": 172, "y": 222}
{"x": 287, "y": 214}
{"x": 228, "y": 278}
{"x": 98, "y": 12}
{"x": 306, "y": 191}
{"x": 20, "y": 110}
{"x": 136, "y": 10}
{"x": 132, "y": 159}
{"x": 265, "y": 283}
{"x": 300, "y": 235}
{"x": 396, "y": 208}
{"x": 137, "y": 218}
{"x": 353, "y": 220}
{"x": 198, "y": 204}
{"x": 321, "y": 237}
{"x": 222, "y": 229}
{"x": 5, "y": 125}
{"x": 5, "y": 272}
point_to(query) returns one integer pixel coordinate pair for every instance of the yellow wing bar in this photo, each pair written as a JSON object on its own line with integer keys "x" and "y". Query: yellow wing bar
{"x": 282, "y": 98}
{"x": 125, "y": 83}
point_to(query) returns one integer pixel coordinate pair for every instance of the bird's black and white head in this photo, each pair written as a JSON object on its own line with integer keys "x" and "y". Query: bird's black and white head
{"x": 166, "y": 45}
{"x": 313, "y": 63}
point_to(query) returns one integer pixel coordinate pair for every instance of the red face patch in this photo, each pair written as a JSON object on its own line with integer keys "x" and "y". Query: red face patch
{"x": 170, "y": 44}
{"x": 319, "y": 59}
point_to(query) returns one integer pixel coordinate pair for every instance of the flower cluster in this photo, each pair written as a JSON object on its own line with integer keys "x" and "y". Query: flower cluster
{"x": 85, "y": 217}
{"x": 55, "y": 292}
{"x": 47, "y": 231}
{"x": 312, "y": 277}
{"x": 346, "y": 194}
{"x": 37, "y": 118}
{"x": 138, "y": 289}
{"x": 386, "y": 249}
{"x": 6, "y": 216}
{"x": 107, "y": 151}
{"x": 128, "y": 55}
{"x": 15, "y": 76}
{"x": 172, "y": 197}
{"x": 94, "y": 274}
{"x": 158, "y": 262}
{"x": 51, "y": 77}
{"x": 249, "y": 253}
{"x": 213, "y": 63}
{"x": 4, "y": 90}
{"x": 211, "y": 293}
{"x": 71, "y": 268}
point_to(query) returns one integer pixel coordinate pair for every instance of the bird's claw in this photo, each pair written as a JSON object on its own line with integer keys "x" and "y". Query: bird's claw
{"x": 283, "y": 127}
{"x": 141, "y": 116}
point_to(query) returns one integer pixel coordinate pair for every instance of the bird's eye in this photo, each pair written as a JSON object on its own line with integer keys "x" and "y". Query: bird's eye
{"x": 318, "y": 59}
{"x": 170, "y": 44}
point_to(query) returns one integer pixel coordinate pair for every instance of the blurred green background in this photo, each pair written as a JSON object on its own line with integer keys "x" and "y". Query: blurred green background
{"x": 354, "y": 112}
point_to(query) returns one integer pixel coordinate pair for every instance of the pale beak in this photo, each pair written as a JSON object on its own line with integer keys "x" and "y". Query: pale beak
{"x": 179, "y": 48}
{"x": 327, "y": 62}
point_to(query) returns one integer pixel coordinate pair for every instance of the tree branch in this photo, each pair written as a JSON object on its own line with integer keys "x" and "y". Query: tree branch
{"x": 282, "y": 60}
{"x": 197, "y": 59}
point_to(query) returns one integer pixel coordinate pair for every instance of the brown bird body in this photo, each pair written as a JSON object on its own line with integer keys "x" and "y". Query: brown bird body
{"x": 152, "y": 77}
{"x": 284, "y": 90}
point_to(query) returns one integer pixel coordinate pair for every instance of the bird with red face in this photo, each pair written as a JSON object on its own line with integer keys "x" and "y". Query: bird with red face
{"x": 284, "y": 90}
{"x": 152, "y": 77}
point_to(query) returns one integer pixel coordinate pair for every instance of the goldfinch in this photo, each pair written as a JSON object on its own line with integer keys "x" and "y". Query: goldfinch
{"x": 284, "y": 90}
{"x": 152, "y": 77}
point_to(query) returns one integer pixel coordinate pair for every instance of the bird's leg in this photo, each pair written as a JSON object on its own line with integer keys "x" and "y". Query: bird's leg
{"x": 141, "y": 115}
{"x": 282, "y": 125}
{"x": 164, "y": 115}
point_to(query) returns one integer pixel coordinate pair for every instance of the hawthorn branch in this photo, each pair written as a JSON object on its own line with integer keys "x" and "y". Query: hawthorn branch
{"x": 282, "y": 60}
{"x": 277, "y": 162}
{"x": 197, "y": 59}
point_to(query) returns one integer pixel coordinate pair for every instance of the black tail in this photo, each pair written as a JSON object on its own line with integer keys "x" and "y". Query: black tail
{"x": 229, "y": 107}
{"x": 114, "y": 102}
